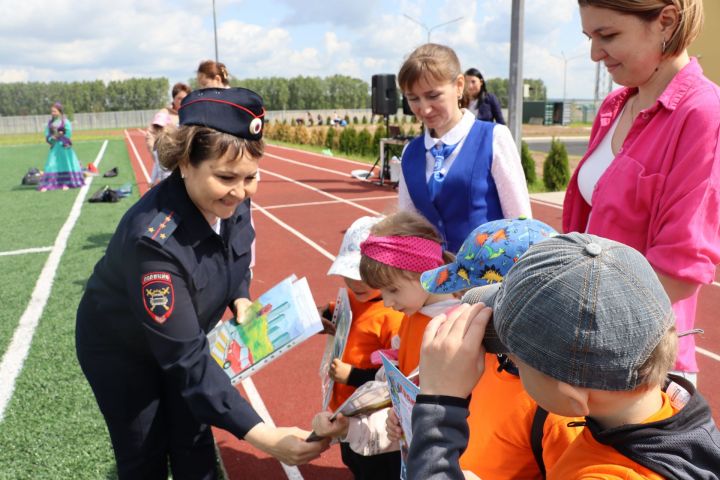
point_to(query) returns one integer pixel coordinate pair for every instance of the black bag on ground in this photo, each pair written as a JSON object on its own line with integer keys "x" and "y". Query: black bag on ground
{"x": 104, "y": 194}
{"x": 32, "y": 177}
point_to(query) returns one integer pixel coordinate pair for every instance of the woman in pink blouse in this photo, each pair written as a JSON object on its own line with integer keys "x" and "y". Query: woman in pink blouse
{"x": 651, "y": 174}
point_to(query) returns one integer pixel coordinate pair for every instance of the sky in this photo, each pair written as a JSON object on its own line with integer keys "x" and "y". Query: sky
{"x": 70, "y": 40}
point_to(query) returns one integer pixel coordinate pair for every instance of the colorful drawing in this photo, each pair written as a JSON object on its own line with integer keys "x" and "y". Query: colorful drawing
{"x": 278, "y": 320}
{"x": 335, "y": 346}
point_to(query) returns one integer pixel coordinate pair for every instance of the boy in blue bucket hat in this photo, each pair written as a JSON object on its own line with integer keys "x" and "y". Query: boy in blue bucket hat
{"x": 510, "y": 436}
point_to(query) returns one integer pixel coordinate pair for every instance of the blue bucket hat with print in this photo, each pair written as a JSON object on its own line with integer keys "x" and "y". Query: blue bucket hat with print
{"x": 487, "y": 254}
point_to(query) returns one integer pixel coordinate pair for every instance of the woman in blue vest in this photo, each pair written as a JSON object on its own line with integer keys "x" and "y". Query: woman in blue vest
{"x": 461, "y": 172}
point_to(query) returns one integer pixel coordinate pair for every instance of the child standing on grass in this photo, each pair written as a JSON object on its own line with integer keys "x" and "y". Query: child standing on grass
{"x": 374, "y": 327}
{"x": 398, "y": 249}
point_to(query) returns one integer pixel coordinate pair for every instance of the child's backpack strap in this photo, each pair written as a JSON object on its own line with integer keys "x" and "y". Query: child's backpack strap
{"x": 536, "y": 437}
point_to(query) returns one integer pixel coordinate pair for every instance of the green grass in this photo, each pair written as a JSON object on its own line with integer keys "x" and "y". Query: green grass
{"x": 52, "y": 427}
{"x": 17, "y": 139}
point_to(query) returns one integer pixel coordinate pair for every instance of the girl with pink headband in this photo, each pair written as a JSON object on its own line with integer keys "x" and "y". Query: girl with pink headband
{"x": 397, "y": 251}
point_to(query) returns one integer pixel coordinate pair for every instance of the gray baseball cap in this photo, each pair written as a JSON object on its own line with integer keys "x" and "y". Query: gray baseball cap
{"x": 580, "y": 308}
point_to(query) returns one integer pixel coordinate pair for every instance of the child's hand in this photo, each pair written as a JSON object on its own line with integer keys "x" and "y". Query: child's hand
{"x": 453, "y": 343}
{"x": 326, "y": 319}
{"x": 340, "y": 371}
{"x": 324, "y": 427}
{"x": 392, "y": 424}
{"x": 241, "y": 306}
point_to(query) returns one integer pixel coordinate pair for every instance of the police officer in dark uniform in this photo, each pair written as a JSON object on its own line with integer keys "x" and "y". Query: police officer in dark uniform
{"x": 178, "y": 258}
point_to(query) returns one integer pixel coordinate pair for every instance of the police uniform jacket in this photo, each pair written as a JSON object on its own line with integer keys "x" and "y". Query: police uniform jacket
{"x": 164, "y": 282}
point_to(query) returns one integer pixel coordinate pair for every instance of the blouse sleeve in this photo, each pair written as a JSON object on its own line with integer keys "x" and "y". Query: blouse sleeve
{"x": 509, "y": 176}
{"x": 684, "y": 237}
{"x": 496, "y": 109}
{"x": 161, "y": 301}
{"x": 405, "y": 203}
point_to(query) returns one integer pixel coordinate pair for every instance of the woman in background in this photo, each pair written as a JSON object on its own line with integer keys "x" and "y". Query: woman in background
{"x": 62, "y": 168}
{"x": 213, "y": 74}
{"x": 483, "y": 104}
{"x": 167, "y": 117}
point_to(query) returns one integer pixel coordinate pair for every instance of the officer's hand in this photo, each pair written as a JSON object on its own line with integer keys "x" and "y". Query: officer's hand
{"x": 453, "y": 343}
{"x": 393, "y": 427}
{"x": 324, "y": 427}
{"x": 241, "y": 306}
{"x": 286, "y": 444}
{"x": 340, "y": 371}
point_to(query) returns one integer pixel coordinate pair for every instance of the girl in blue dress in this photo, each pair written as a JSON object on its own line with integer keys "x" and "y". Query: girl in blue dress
{"x": 62, "y": 168}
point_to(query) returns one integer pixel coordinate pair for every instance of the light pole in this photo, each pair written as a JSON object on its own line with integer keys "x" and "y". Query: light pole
{"x": 565, "y": 62}
{"x": 215, "y": 31}
{"x": 430, "y": 29}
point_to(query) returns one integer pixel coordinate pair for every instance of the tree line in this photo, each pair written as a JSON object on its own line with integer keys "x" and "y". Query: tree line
{"x": 35, "y": 98}
{"x": 297, "y": 93}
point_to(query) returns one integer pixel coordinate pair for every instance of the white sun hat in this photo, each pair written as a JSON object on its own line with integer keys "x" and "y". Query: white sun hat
{"x": 347, "y": 262}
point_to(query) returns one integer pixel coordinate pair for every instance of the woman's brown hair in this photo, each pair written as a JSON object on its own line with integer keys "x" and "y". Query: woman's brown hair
{"x": 194, "y": 144}
{"x": 400, "y": 224}
{"x": 211, "y": 69}
{"x": 438, "y": 62}
{"x": 691, "y": 17}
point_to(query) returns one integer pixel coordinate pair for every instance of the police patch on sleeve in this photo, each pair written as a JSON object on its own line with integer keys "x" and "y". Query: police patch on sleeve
{"x": 158, "y": 295}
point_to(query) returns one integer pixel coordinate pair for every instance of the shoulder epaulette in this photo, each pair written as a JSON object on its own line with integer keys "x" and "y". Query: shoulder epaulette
{"x": 162, "y": 226}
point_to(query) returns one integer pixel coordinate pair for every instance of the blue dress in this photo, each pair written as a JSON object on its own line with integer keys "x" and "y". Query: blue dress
{"x": 62, "y": 168}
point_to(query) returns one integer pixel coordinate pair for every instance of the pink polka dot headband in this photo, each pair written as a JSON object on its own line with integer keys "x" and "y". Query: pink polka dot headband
{"x": 413, "y": 254}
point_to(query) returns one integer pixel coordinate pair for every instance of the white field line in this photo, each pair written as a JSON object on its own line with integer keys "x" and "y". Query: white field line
{"x": 708, "y": 353}
{"x": 290, "y": 229}
{"x": 327, "y": 157}
{"x": 293, "y": 473}
{"x": 14, "y": 357}
{"x": 328, "y": 202}
{"x": 137, "y": 157}
{"x": 26, "y": 250}
{"x": 314, "y": 167}
{"x": 330, "y": 195}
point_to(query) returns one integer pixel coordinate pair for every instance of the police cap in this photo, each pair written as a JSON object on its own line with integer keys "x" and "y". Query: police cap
{"x": 237, "y": 111}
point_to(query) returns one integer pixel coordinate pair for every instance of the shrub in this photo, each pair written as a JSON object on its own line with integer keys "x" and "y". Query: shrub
{"x": 301, "y": 135}
{"x": 348, "y": 140}
{"x": 528, "y": 164}
{"x": 328, "y": 121}
{"x": 268, "y": 130}
{"x": 364, "y": 142}
{"x": 318, "y": 137}
{"x": 556, "y": 172}
{"x": 355, "y": 121}
{"x": 283, "y": 133}
{"x": 329, "y": 137}
{"x": 364, "y": 120}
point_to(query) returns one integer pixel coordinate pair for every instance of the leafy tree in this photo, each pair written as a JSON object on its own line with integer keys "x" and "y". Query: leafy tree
{"x": 556, "y": 172}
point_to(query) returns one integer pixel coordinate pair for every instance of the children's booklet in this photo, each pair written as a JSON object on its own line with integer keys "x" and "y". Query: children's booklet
{"x": 280, "y": 319}
{"x": 403, "y": 393}
{"x": 335, "y": 346}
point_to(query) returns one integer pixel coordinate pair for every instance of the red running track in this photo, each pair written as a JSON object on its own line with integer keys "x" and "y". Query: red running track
{"x": 303, "y": 206}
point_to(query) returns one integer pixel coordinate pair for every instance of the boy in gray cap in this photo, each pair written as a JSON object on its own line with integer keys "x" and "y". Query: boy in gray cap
{"x": 592, "y": 332}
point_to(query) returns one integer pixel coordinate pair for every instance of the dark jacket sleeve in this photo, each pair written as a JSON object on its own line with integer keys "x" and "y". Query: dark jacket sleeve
{"x": 180, "y": 346}
{"x": 440, "y": 435}
{"x": 360, "y": 376}
{"x": 496, "y": 109}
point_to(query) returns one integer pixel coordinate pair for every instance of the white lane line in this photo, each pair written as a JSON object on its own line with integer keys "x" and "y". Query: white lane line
{"x": 26, "y": 250}
{"x": 708, "y": 353}
{"x": 293, "y": 473}
{"x": 290, "y": 229}
{"x": 329, "y": 202}
{"x": 326, "y": 157}
{"x": 314, "y": 167}
{"x": 137, "y": 157}
{"x": 717, "y": 284}
{"x": 321, "y": 192}
{"x": 14, "y": 357}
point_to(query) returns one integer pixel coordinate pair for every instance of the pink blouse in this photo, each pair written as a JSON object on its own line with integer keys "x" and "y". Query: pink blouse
{"x": 661, "y": 194}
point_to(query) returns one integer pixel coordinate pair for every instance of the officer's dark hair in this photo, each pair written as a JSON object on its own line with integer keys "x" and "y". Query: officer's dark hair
{"x": 195, "y": 144}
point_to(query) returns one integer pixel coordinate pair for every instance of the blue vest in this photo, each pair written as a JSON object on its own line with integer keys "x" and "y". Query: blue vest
{"x": 468, "y": 196}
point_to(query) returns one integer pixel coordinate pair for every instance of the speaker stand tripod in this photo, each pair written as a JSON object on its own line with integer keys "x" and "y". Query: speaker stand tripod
{"x": 385, "y": 167}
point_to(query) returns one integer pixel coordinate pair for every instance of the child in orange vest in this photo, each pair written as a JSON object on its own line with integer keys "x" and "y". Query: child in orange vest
{"x": 397, "y": 251}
